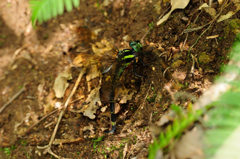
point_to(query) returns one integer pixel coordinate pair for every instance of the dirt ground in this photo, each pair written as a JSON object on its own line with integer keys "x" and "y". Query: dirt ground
{"x": 36, "y": 56}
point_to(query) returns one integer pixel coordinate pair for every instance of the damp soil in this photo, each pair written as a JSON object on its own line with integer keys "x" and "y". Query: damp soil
{"x": 38, "y": 56}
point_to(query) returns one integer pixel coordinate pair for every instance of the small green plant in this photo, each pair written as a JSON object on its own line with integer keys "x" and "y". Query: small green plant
{"x": 173, "y": 131}
{"x": 1, "y": 43}
{"x": 155, "y": 113}
{"x": 222, "y": 57}
{"x": 152, "y": 99}
{"x": 8, "y": 150}
{"x": 151, "y": 25}
{"x": 95, "y": 142}
{"x": 23, "y": 142}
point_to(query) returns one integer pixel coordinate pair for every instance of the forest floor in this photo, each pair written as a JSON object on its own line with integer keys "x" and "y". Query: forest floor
{"x": 32, "y": 58}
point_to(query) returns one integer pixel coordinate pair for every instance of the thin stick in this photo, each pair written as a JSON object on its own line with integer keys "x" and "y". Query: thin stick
{"x": 16, "y": 53}
{"x": 13, "y": 98}
{"x": 48, "y": 147}
{"x": 28, "y": 130}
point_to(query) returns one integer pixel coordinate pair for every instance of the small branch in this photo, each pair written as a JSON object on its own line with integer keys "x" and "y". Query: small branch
{"x": 13, "y": 98}
{"x": 28, "y": 130}
{"x": 48, "y": 147}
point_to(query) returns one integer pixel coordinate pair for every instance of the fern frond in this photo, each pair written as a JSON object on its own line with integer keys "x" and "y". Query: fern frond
{"x": 43, "y": 10}
{"x": 224, "y": 118}
{"x": 173, "y": 131}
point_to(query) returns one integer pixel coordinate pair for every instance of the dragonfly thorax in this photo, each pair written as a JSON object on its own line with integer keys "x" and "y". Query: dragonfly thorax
{"x": 126, "y": 56}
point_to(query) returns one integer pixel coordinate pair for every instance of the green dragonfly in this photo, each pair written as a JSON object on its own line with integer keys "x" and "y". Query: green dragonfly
{"x": 125, "y": 57}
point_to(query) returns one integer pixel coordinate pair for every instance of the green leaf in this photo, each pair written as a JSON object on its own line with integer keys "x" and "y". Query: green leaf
{"x": 43, "y": 10}
{"x": 76, "y": 3}
{"x": 68, "y": 4}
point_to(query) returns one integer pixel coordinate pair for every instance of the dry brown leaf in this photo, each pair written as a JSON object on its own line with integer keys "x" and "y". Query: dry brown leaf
{"x": 125, "y": 93}
{"x": 93, "y": 73}
{"x": 84, "y": 60}
{"x": 226, "y": 16}
{"x": 100, "y": 48}
{"x": 176, "y": 4}
{"x": 103, "y": 109}
{"x": 61, "y": 84}
{"x": 211, "y": 11}
{"x": 93, "y": 99}
{"x": 220, "y": 2}
{"x": 230, "y": 13}
{"x": 89, "y": 127}
{"x": 180, "y": 75}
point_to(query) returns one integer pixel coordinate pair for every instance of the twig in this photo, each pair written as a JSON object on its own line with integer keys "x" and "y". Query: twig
{"x": 13, "y": 98}
{"x": 165, "y": 71}
{"x": 28, "y": 130}
{"x": 65, "y": 141}
{"x": 199, "y": 38}
{"x": 209, "y": 23}
{"x": 16, "y": 53}
{"x": 184, "y": 43}
{"x": 192, "y": 68}
{"x": 48, "y": 147}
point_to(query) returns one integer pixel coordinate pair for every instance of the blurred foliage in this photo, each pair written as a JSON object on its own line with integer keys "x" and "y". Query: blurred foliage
{"x": 43, "y": 10}
{"x": 175, "y": 130}
{"x": 225, "y": 117}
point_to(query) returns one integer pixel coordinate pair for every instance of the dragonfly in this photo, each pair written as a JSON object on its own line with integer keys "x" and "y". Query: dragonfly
{"x": 123, "y": 59}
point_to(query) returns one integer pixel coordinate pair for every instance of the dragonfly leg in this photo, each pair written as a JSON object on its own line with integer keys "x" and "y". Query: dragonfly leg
{"x": 134, "y": 70}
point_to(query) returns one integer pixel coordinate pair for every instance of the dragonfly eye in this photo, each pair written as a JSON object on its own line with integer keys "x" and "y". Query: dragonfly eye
{"x": 135, "y": 45}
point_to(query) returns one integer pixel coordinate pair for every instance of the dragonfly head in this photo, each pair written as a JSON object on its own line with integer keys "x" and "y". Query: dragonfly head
{"x": 135, "y": 45}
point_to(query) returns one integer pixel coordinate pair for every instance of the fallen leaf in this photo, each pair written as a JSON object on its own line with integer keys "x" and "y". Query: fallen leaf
{"x": 84, "y": 60}
{"x": 125, "y": 93}
{"x": 89, "y": 127}
{"x": 103, "y": 109}
{"x": 138, "y": 123}
{"x": 93, "y": 73}
{"x": 92, "y": 100}
{"x": 176, "y": 4}
{"x": 230, "y": 13}
{"x": 226, "y": 16}
{"x": 211, "y": 11}
{"x": 99, "y": 48}
{"x": 220, "y": 2}
{"x": 90, "y": 111}
{"x": 61, "y": 84}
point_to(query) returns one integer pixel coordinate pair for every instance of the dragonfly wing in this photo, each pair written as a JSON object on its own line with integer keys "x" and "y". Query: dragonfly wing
{"x": 105, "y": 71}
